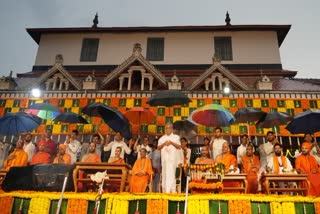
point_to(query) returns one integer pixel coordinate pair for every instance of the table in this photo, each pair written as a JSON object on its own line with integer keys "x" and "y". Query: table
{"x": 228, "y": 178}
{"x": 301, "y": 180}
{"x": 116, "y": 173}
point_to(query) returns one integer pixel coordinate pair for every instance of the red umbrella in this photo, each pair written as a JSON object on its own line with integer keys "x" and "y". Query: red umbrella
{"x": 139, "y": 115}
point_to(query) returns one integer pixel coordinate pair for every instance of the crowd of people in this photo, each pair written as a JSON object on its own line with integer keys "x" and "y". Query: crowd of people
{"x": 158, "y": 160}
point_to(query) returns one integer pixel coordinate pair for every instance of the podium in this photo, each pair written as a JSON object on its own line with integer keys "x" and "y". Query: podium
{"x": 117, "y": 173}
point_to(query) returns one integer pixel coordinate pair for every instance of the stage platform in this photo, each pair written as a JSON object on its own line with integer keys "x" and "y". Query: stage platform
{"x": 124, "y": 203}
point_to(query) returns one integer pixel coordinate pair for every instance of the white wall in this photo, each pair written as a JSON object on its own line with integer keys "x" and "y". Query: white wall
{"x": 248, "y": 47}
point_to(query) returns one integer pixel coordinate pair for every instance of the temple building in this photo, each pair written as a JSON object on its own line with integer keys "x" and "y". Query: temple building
{"x": 124, "y": 66}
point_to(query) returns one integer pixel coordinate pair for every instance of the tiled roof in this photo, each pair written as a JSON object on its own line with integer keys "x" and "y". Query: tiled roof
{"x": 295, "y": 85}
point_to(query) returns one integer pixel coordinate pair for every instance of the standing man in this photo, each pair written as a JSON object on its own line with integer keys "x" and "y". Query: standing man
{"x": 169, "y": 145}
{"x": 156, "y": 165}
{"x": 145, "y": 145}
{"x": 216, "y": 142}
{"x": 266, "y": 150}
{"x": 50, "y": 145}
{"x": 28, "y": 146}
{"x": 118, "y": 142}
{"x": 241, "y": 150}
{"x": 72, "y": 145}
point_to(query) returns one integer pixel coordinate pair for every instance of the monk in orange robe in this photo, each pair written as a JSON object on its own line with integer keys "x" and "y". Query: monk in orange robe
{"x": 230, "y": 162}
{"x": 307, "y": 164}
{"x": 16, "y": 158}
{"x": 117, "y": 159}
{"x": 141, "y": 173}
{"x": 42, "y": 156}
{"x": 250, "y": 166}
{"x": 62, "y": 157}
{"x": 91, "y": 157}
{"x": 204, "y": 158}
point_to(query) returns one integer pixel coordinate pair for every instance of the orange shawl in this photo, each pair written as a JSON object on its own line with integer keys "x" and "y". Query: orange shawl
{"x": 276, "y": 163}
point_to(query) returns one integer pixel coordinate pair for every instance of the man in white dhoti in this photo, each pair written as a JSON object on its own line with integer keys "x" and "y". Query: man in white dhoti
{"x": 169, "y": 145}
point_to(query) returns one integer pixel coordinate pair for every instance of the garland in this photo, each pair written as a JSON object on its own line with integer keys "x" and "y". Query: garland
{"x": 276, "y": 208}
{"x": 239, "y": 207}
{"x": 212, "y": 186}
{"x": 288, "y": 208}
{"x": 157, "y": 206}
{"x": 6, "y": 204}
{"x": 39, "y": 206}
{"x": 198, "y": 206}
{"x": 77, "y": 206}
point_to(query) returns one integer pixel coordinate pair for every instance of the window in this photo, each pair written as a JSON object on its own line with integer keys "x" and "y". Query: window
{"x": 223, "y": 47}
{"x": 155, "y": 49}
{"x": 89, "y": 50}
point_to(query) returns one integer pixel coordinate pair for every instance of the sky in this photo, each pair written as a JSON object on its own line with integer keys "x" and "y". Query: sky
{"x": 299, "y": 51}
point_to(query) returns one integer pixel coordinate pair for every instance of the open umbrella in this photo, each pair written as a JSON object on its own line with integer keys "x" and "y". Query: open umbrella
{"x": 70, "y": 117}
{"x": 20, "y": 122}
{"x": 112, "y": 117}
{"x": 185, "y": 128}
{"x": 213, "y": 115}
{"x": 305, "y": 122}
{"x": 168, "y": 98}
{"x": 274, "y": 119}
{"x": 43, "y": 110}
{"x": 139, "y": 115}
{"x": 246, "y": 115}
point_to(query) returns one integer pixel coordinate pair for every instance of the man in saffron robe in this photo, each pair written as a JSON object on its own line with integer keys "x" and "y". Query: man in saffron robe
{"x": 307, "y": 164}
{"x": 141, "y": 173}
{"x": 251, "y": 166}
{"x": 116, "y": 158}
{"x": 169, "y": 145}
{"x": 42, "y": 156}
{"x": 62, "y": 157}
{"x": 16, "y": 158}
{"x": 231, "y": 164}
{"x": 92, "y": 156}
{"x": 204, "y": 158}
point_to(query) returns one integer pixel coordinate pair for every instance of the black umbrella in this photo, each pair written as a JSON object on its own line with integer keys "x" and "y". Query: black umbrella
{"x": 168, "y": 98}
{"x": 112, "y": 117}
{"x": 185, "y": 128}
{"x": 305, "y": 122}
{"x": 70, "y": 117}
{"x": 274, "y": 119}
{"x": 20, "y": 122}
{"x": 245, "y": 115}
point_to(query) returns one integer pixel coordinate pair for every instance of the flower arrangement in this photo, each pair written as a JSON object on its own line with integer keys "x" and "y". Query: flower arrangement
{"x": 200, "y": 172}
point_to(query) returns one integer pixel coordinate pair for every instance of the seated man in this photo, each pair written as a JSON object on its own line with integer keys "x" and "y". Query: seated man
{"x": 116, "y": 158}
{"x": 307, "y": 164}
{"x": 42, "y": 156}
{"x": 228, "y": 159}
{"x": 250, "y": 166}
{"x": 278, "y": 163}
{"x": 62, "y": 157}
{"x": 141, "y": 173}
{"x": 204, "y": 158}
{"x": 16, "y": 158}
{"x": 92, "y": 156}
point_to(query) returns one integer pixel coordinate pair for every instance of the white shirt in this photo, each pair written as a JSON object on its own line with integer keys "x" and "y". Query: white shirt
{"x": 114, "y": 144}
{"x": 72, "y": 149}
{"x": 241, "y": 151}
{"x": 314, "y": 153}
{"x": 217, "y": 147}
{"x": 149, "y": 150}
{"x": 30, "y": 149}
{"x": 155, "y": 157}
{"x": 266, "y": 151}
{"x": 181, "y": 156}
{"x": 169, "y": 153}
{"x": 271, "y": 165}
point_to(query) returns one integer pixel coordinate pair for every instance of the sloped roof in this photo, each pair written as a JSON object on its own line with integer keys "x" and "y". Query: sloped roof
{"x": 282, "y": 30}
{"x": 295, "y": 85}
{"x": 224, "y": 71}
{"x": 64, "y": 72}
{"x": 136, "y": 56}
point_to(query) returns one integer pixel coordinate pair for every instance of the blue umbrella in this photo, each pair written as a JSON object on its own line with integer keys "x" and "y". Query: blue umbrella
{"x": 20, "y": 122}
{"x": 112, "y": 117}
{"x": 305, "y": 122}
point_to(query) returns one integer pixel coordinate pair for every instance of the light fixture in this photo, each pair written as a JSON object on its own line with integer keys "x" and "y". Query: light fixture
{"x": 226, "y": 90}
{"x": 36, "y": 92}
